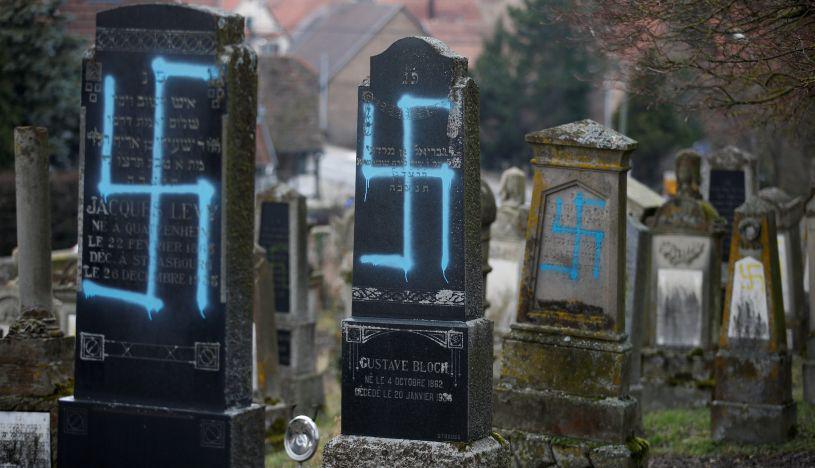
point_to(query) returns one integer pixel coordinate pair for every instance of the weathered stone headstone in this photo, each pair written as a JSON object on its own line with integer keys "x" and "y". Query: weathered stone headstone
{"x": 637, "y": 265}
{"x": 164, "y": 345}
{"x": 788, "y": 214}
{"x": 487, "y": 218}
{"x": 417, "y": 352}
{"x": 571, "y": 308}
{"x": 281, "y": 230}
{"x": 36, "y": 361}
{"x": 729, "y": 177}
{"x": 809, "y": 356}
{"x": 684, "y": 295}
{"x": 753, "y": 396}
{"x": 266, "y": 372}
{"x": 506, "y": 257}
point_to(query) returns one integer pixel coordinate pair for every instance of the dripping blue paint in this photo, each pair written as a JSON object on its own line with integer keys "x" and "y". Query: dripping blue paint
{"x": 405, "y": 261}
{"x": 163, "y": 71}
{"x": 573, "y": 270}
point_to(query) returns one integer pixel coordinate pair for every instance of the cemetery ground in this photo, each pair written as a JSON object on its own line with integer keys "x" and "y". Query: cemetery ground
{"x": 681, "y": 437}
{"x": 678, "y": 437}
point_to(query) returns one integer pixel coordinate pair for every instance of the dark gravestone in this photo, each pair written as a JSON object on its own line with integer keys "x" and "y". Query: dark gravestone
{"x": 164, "y": 325}
{"x": 274, "y": 237}
{"x": 280, "y": 214}
{"x": 726, "y": 194}
{"x": 411, "y": 249}
{"x": 416, "y": 354}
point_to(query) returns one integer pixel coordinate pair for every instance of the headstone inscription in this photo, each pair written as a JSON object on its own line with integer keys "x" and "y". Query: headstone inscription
{"x": 25, "y": 439}
{"x": 281, "y": 229}
{"x": 164, "y": 325}
{"x": 728, "y": 179}
{"x": 684, "y": 295}
{"x": 788, "y": 214}
{"x": 571, "y": 307}
{"x": 753, "y": 396}
{"x": 809, "y": 357}
{"x": 417, "y": 352}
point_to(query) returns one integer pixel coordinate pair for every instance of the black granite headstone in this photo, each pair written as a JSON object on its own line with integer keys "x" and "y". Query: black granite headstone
{"x": 727, "y": 192}
{"x": 274, "y": 237}
{"x": 168, "y": 101}
{"x": 416, "y": 355}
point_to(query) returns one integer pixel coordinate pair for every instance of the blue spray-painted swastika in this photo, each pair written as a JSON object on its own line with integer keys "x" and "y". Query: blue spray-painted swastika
{"x": 578, "y": 232}
{"x": 163, "y": 71}
{"x": 407, "y": 171}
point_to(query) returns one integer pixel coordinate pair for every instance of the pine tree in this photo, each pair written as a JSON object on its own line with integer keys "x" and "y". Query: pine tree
{"x": 532, "y": 74}
{"x": 39, "y": 76}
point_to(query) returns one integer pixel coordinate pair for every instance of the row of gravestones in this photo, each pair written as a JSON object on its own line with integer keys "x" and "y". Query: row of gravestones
{"x": 163, "y": 353}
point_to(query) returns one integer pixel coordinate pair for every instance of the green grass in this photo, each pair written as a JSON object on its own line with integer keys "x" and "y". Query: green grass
{"x": 328, "y": 418}
{"x": 687, "y": 431}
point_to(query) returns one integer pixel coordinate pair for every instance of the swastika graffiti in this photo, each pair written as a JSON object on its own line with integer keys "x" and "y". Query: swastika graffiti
{"x": 408, "y": 172}
{"x": 578, "y": 232}
{"x": 163, "y": 71}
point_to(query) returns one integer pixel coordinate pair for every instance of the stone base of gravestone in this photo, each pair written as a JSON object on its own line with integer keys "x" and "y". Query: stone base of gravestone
{"x": 34, "y": 374}
{"x": 97, "y": 433}
{"x": 809, "y": 380}
{"x": 676, "y": 379}
{"x": 305, "y": 392}
{"x": 363, "y": 452}
{"x": 531, "y": 449}
{"x": 537, "y": 403}
{"x": 506, "y": 259}
{"x": 752, "y": 402}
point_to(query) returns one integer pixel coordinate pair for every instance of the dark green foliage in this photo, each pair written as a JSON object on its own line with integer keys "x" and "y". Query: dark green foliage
{"x": 661, "y": 128}
{"x": 39, "y": 76}
{"x": 532, "y": 75}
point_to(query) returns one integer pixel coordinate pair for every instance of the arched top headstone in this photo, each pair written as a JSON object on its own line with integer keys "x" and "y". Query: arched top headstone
{"x": 418, "y": 201}
{"x": 513, "y": 187}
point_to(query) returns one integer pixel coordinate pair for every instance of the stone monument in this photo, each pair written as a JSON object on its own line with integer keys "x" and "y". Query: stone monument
{"x": 506, "y": 257}
{"x": 685, "y": 300}
{"x": 36, "y": 360}
{"x": 266, "y": 374}
{"x": 281, "y": 230}
{"x": 729, "y": 177}
{"x": 164, "y": 304}
{"x": 637, "y": 266}
{"x": 752, "y": 401}
{"x": 417, "y": 352}
{"x": 571, "y": 309}
{"x": 788, "y": 214}
{"x": 809, "y": 356}
{"x": 488, "y": 213}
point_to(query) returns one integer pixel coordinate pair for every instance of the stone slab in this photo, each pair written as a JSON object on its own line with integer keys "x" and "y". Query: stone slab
{"x": 534, "y": 359}
{"x": 304, "y": 392}
{"x": 417, "y": 379}
{"x": 374, "y": 452}
{"x": 751, "y": 423}
{"x": 533, "y": 449}
{"x": 809, "y": 382}
{"x": 753, "y": 378}
{"x": 25, "y": 439}
{"x": 673, "y": 378}
{"x": 111, "y": 434}
{"x": 600, "y": 419}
